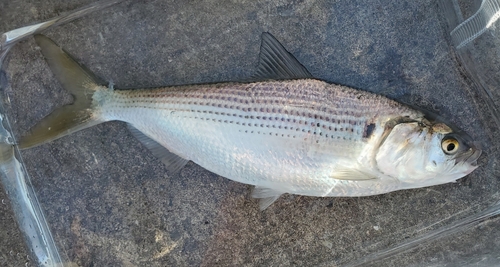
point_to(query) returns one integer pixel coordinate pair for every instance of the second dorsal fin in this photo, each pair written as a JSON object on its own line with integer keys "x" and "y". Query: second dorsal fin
{"x": 276, "y": 63}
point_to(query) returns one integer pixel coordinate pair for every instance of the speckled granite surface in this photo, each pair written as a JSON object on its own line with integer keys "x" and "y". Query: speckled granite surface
{"x": 109, "y": 202}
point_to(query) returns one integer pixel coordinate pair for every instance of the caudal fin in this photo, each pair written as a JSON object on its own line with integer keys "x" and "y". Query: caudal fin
{"x": 70, "y": 118}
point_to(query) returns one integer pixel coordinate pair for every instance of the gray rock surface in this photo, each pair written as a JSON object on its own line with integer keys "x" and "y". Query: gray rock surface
{"x": 12, "y": 248}
{"x": 109, "y": 202}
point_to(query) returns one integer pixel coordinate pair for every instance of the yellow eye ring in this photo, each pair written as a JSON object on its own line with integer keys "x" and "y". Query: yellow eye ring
{"x": 450, "y": 146}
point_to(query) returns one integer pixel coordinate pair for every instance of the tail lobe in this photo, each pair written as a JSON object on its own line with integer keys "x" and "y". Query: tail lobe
{"x": 70, "y": 118}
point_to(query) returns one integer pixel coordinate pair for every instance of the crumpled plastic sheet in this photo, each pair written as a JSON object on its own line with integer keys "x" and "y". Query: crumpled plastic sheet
{"x": 487, "y": 14}
{"x": 13, "y": 175}
{"x": 463, "y": 33}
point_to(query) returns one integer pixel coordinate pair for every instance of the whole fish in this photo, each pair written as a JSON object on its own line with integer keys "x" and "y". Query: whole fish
{"x": 283, "y": 132}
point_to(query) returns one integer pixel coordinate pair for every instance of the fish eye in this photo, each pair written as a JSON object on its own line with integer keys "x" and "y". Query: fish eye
{"x": 450, "y": 145}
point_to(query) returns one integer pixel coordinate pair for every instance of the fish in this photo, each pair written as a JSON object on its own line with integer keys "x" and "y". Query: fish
{"x": 282, "y": 131}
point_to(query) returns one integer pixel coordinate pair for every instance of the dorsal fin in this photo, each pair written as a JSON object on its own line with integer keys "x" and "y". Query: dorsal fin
{"x": 276, "y": 63}
{"x": 173, "y": 162}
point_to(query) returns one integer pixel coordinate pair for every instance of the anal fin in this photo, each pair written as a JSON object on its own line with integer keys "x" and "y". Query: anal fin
{"x": 173, "y": 162}
{"x": 267, "y": 196}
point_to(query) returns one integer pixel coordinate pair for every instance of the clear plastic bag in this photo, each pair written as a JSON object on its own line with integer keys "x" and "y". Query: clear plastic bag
{"x": 107, "y": 201}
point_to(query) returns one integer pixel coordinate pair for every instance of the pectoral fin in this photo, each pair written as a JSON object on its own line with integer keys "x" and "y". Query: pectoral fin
{"x": 173, "y": 162}
{"x": 352, "y": 175}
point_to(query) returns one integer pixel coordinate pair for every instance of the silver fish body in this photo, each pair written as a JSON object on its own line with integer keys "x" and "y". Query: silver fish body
{"x": 290, "y": 136}
{"x": 289, "y": 133}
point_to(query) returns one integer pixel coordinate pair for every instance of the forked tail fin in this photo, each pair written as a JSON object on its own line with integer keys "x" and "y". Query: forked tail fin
{"x": 70, "y": 118}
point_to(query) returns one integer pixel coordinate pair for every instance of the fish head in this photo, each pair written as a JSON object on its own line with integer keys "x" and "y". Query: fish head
{"x": 422, "y": 154}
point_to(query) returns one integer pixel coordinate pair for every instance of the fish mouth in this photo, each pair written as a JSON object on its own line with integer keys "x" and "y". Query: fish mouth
{"x": 473, "y": 152}
{"x": 470, "y": 156}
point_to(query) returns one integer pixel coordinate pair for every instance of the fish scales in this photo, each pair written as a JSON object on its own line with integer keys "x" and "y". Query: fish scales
{"x": 237, "y": 124}
{"x": 284, "y": 133}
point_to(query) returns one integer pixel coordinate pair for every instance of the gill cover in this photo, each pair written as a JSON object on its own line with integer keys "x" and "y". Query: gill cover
{"x": 421, "y": 154}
